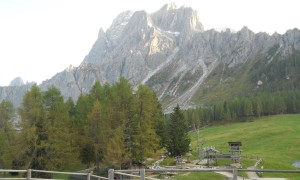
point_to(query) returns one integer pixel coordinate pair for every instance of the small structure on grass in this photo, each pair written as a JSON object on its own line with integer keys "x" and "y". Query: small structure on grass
{"x": 211, "y": 155}
{"x": 235, "y": 151}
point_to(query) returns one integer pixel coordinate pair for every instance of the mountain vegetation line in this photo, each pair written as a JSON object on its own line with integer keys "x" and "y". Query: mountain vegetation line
{"x": 245, "y": 108}
{"x": 110, "y": 126}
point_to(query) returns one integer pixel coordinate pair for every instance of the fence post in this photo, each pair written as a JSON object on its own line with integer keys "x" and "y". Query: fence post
{"x": 142, "y": 174}
{"x": 234, "y": 174}
{"x": 111, "y": 174}
{"x": 88, "y": 176}
{"x": 28, "y": 174}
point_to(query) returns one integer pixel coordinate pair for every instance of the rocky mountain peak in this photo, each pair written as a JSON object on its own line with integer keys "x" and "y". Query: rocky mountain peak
{"x": 167, "y": 7}
{"x": 170, "y": 52}
{"x": 246, "y": 32}
{"x": 276, "y": 34}
{"x": 293, "y": 34}
{"x": 119, "y": 23}
{"x": 18, "y": 81}
{"x": 170, "y": 18}
{"x": 70, "y": 68}
{"x": 101, "y": 33}
{"x": 138, "y": 20}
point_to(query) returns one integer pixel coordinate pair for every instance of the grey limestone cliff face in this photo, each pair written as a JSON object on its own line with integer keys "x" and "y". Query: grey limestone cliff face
{"x": 17, "y": 82}
{"x": 14, "y": 93}
{"x": 137, "y": 46}
{"x": 171, "y": 18}
{"x": 170, "y": 51}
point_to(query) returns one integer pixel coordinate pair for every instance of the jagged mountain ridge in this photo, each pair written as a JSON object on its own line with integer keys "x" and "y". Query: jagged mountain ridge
{"x": 169, "y": 51}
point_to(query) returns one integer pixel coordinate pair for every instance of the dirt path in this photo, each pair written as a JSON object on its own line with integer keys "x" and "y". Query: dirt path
{"x": 230, "y": 175}
{"x": 252, "y": 175}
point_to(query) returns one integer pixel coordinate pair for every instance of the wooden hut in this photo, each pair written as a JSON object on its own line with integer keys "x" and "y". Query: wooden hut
{"x": 235, "y": 151}
{"x": 211, "y": 155}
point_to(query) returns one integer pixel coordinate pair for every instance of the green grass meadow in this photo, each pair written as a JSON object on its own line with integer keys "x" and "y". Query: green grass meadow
{"x": 274, "y": 139}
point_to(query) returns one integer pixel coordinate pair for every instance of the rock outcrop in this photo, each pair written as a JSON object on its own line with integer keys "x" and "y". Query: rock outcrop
{"x": 17, "y": 82}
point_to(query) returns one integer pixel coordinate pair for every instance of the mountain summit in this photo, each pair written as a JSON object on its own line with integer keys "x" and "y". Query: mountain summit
{"x": 18, "y": 81}
{"x": 170, "y": 51}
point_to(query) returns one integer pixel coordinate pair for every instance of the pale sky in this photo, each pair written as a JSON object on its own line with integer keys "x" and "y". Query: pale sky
{"x": 39, "y": 38}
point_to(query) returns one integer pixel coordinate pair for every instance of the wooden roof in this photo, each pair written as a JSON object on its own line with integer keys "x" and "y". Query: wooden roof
{"x": 235, "y": 143}
{"x": 210, "y": 149}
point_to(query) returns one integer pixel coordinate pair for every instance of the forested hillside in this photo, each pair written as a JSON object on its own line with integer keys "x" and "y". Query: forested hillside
{"x": 265, "y": 73}
{"x": 110, "y": 126}
{"x": 244, "y": 108}
{"x": 115, "y": 126}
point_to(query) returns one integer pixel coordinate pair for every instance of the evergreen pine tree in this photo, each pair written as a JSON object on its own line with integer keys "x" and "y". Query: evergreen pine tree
{"x": 7, "y": 134}
{"x": 34, "y": 131}
{"x": 57, "y": 117}
{"x": 146, "y": 139}
{"x": 179, "y": 140}
{"x": 116, "y": 153}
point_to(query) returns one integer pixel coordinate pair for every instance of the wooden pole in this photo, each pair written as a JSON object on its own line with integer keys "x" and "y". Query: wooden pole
{"x": 234, "y": 174}
{"x": 111, "y": 174}
{"x": 142, "y": 174}
{"x": 29, "y": 174}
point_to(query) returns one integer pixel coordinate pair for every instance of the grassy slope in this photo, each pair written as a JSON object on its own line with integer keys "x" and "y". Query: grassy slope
{"x": 221, "y": 86}
{"x": 275, "y": 139}
{"x": 199, "y": 176}
{"x": 225, "y": 83}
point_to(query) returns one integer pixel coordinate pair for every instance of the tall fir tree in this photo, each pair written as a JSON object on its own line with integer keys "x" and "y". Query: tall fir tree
{"x": 34, "y": 131}
{"x": 98, "y": 132}
{"x": 146, "y": 139}
{"x": 179, "y": 140}
{"x": 57, "y": 117}
{"x": 7, "y": 134}
{"x": 116, "y": 154}
{"x": 44, "y": 131}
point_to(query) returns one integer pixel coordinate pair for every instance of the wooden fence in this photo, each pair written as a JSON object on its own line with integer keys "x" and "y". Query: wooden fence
{"x": 29, "y": 172}
{"x": 141, "y": 173}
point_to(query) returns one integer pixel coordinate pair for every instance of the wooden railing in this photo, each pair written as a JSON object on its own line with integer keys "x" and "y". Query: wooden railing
{"x": 140, "y": 173}
{"x": 29, "y": 172}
